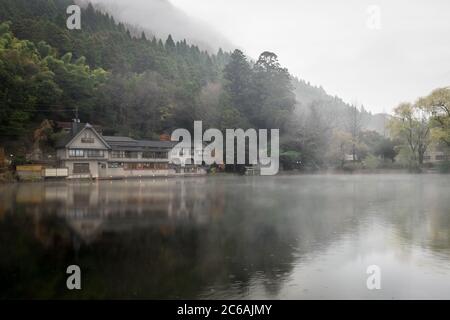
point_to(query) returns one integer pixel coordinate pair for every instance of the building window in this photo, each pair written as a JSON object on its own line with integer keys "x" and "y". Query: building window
{"x": 160, "y": 166}
{"x": 440, "y": 157}
{"x": 115, "y": 165}
{"x": 87, "y": 138}
{"x": 76, "y": 153}
{"x": 131, "y": 155}
{"x": 163, "y": 166}
{"x": 148, "y": 155}
{"x": 124, "y": 154}
{"x": 132, "y": 166}
{"x": 81, "y": 168}
{"x": 145, "y": 166}
{"x": 95, "y": 153}
{"x": 117, "y": 154}
{"x": 148, "y": 166}
{"x": 80, "y": 153}
{"x": 155, "y": 155}
{"x": 162, "y": 155}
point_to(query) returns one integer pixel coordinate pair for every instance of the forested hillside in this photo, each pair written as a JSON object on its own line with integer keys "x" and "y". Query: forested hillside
{"x": 161, "y": 18}
{"x": 141, "y": 87}
{"x": 308, "y": 95}
{"x": 145, "y": 86}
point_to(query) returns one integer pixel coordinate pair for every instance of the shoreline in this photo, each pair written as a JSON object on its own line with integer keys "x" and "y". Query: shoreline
{"x": 226, "y": 174}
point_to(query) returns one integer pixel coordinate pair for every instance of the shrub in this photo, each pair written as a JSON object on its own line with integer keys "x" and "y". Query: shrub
{"x": 444, "y": 167}
{"x": 372, "y": 162}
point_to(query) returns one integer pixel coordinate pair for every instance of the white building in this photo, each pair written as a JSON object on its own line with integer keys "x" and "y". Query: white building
{"x": 88, "y": 154}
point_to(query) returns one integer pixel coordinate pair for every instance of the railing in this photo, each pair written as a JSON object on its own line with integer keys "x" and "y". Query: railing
{"x": 55, "y": 172}
{"x": 81, "y": 176}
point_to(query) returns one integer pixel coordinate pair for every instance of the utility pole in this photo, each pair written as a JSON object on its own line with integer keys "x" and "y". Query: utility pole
{"x": 77, "y": 120}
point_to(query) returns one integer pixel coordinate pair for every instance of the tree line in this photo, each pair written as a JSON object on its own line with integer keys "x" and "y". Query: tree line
{"x": 141, "y": 87}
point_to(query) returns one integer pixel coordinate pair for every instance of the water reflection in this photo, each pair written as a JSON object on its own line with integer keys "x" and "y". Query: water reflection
{"x": 227, "y": 237}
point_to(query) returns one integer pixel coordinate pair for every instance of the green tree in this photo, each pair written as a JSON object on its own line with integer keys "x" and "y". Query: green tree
{"x": 27, "y": 83}
{"x": 411, "y": 126}
{"x": 36, "y": 83}
{"x": 438, "y": 105}
{"x": 238, "y": 84}
{"x": 354, "y": 125}
{"x": 274, "y": 96}
{"x": 341, "y": 145}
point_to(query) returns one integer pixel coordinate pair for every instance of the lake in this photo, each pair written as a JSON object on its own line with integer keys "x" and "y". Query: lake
{"x": 228, "y": 237}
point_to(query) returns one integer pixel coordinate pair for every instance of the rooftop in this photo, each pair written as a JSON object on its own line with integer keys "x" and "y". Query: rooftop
{"x": 125, "y": 143}
{"x": 118, "y": 139}
{"x": 118, "y": 142}
{"x": 64, "y": 140}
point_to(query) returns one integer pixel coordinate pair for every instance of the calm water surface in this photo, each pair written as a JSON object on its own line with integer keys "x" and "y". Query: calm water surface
{"x": 284, "y": 237}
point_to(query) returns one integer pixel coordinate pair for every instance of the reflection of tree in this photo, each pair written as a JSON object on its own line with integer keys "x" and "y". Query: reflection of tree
{"x": 178, "y": 238}
{"x": 423, "y": 219}
{"x": 34, "y": 253}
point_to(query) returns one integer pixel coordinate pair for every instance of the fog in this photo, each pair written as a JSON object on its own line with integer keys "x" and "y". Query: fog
{"x": 228, "y": 237}
{"x": 325, "y": 42}
{"x": 161, "y": 18}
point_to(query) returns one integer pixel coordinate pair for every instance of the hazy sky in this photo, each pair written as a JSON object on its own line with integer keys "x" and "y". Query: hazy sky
{"x": 328, "y": 43}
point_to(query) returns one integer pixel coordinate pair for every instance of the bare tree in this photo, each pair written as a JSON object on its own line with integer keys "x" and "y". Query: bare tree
{"x": 354, "y": 124}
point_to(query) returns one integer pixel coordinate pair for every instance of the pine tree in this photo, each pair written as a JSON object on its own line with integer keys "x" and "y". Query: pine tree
{"x": 170, "y": 44}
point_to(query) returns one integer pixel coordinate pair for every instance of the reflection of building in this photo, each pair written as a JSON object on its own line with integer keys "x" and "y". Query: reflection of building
{"x": 92, "y": 209}
{"x": 2, "y": 159}
{"x": 88, "y": 154}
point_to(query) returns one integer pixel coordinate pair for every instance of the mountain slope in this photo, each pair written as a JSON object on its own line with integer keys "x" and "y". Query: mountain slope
{"x": 308, "y": 95}
{"x": 151, "y": 85}
{"x": 138, "y": 86}
{"x": 160, "y": 18}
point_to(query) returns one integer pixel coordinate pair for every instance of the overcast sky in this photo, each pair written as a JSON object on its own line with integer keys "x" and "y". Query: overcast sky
{"x": 328, "y": 43}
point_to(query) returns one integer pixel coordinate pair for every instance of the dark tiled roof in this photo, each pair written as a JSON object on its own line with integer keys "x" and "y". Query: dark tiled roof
{"x": 120, "y": 143}
{"x": 64, "y": 140}
{"x": 156, "y": 144}
{"x": 118, "y": 139}
{"x": 126, "y": 142}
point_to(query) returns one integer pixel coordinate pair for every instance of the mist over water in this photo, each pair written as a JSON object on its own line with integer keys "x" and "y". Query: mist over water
{"x": 289, "y": 237}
